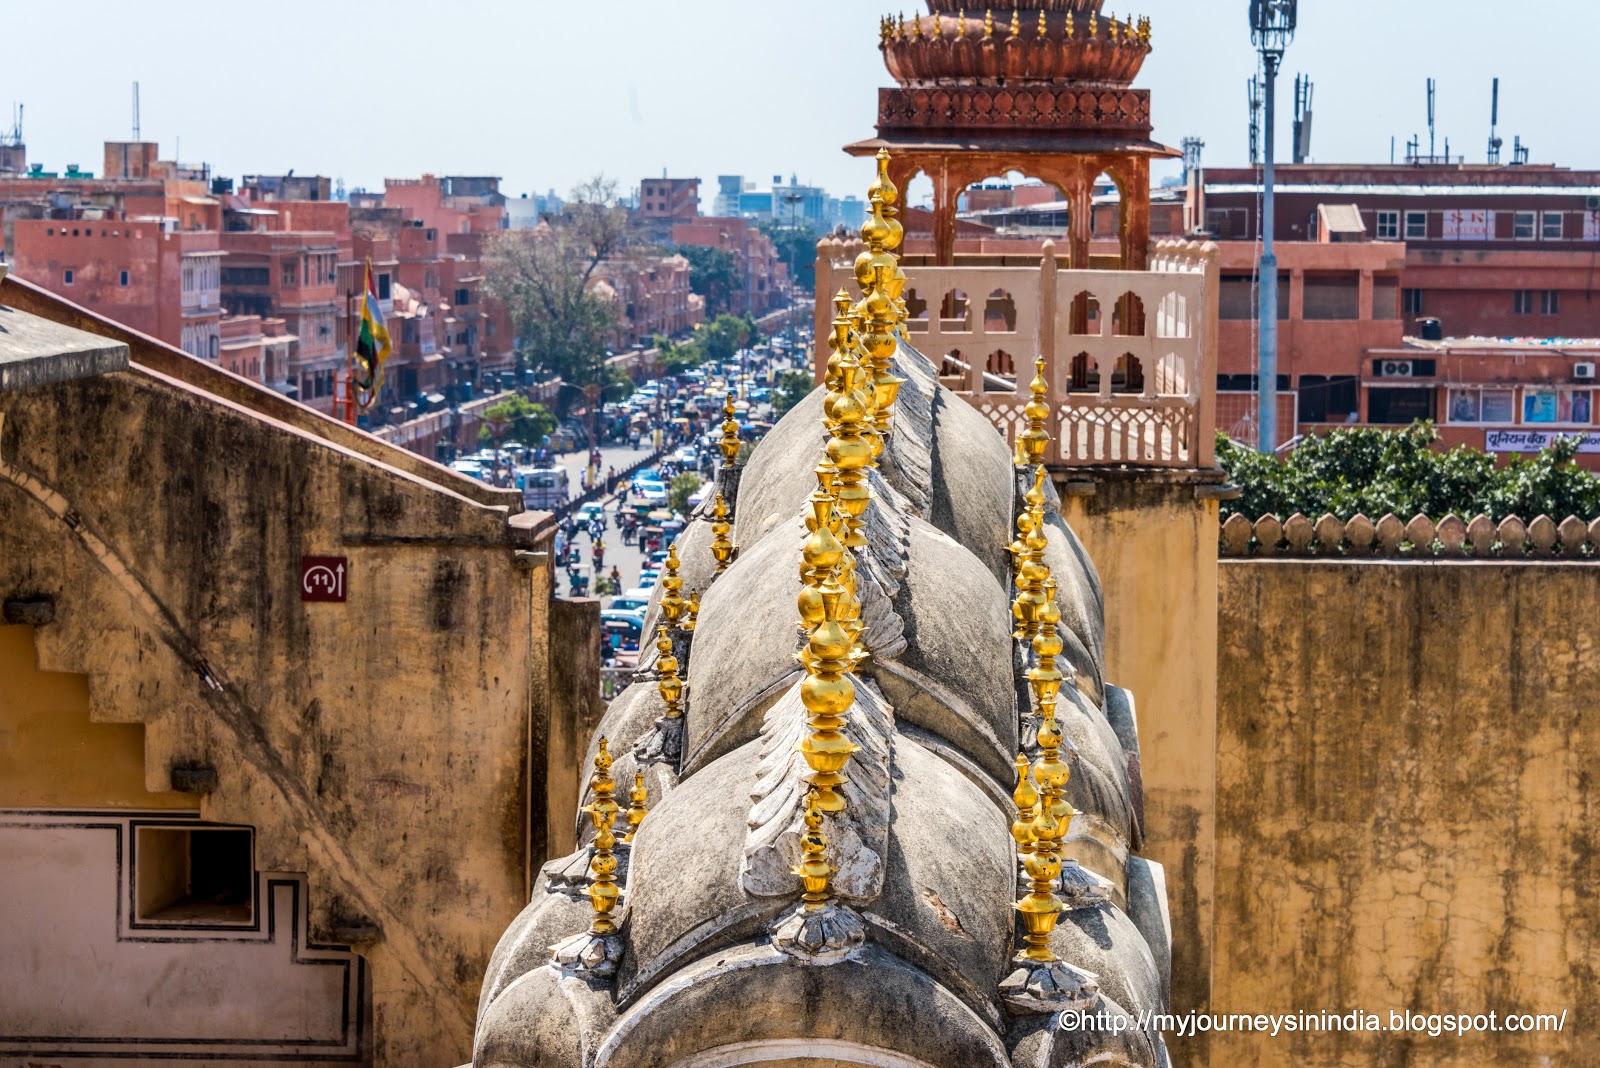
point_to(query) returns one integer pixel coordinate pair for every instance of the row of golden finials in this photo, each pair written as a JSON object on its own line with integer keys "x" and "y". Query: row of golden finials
{"x": 857, "y": 417}
{"x": 1129, "y": 31}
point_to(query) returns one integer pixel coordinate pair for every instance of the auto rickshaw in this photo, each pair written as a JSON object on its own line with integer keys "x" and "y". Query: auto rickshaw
{"x": 650, "y": 539}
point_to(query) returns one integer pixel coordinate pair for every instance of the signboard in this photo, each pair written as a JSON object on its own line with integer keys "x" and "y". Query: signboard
{"x": 1536, "y": 440}
{"x": 322, "y": 578}
{"x": 1468, "y": 225}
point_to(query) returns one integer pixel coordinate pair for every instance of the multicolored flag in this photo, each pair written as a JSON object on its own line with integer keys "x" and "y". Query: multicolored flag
{"x": 371, "y": 344}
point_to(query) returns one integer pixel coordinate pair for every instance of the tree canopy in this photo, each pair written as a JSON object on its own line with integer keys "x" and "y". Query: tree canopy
{"x": 714, "y": 274}
{"x": 720, "y": 339}
{"x": 1374, "y": 472}
{"x": 791, "y": 388}
{"x": 796, "y": 246}
{"x": 544, "y": 278}
{"x": 516, "y": 419}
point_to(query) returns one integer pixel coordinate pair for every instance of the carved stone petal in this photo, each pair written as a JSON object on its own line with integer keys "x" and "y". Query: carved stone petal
{"x": 1236, "y": 534}
{"x": 1542, "y": 533}
{"x": 1268, "y": 533}
{"x": 1419, "y": 532}
{"x": 1298, "y": 531}
{"x": 1391, "y": 532}
{"x": 1481, "y": 533}
{"x": 1360, "y": 533}
{"x": 1452, "y": 535}
{"x": 1594, "y": 535}
{"x": 1330, "y": 532}
{"x": 1573, "y": 536}
{"x": 1512, "y": 535}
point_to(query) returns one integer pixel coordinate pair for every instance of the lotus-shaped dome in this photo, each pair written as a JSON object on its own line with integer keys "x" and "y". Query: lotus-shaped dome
{"x": 1057, "y": 43}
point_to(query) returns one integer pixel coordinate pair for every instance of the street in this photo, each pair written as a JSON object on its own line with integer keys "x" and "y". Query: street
{"x": 626, "y": 557}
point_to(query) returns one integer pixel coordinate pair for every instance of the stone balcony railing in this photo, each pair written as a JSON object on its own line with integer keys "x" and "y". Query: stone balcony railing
{"x": 1130, "y": 356}
{"x": 1391, "y": 537}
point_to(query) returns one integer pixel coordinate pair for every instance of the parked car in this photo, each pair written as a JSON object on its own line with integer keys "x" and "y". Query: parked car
{"x": 630, "y": 603}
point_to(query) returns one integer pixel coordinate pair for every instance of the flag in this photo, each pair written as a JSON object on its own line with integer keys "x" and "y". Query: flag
{"x": 372, "y": 347}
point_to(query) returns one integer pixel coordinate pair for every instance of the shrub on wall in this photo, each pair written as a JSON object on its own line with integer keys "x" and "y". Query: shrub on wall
{"x": 1374, "y": 471}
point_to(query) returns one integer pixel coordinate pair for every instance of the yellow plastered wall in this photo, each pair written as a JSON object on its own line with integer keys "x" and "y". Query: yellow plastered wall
{"x": 1154, "y": 543}
{"x": 51, "y": 756}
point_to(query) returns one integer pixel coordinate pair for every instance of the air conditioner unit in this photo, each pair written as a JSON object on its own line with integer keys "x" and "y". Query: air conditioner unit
{"x": 1583, "y": 370}
{"x": 1394, "y": 369}
{"x": 1592, "y": 203}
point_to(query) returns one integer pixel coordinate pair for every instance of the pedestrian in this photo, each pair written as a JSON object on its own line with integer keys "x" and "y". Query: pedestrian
{"x": 616, "y": 578}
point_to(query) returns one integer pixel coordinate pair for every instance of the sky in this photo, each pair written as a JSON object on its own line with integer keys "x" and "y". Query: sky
{"x": 546, "y": 93}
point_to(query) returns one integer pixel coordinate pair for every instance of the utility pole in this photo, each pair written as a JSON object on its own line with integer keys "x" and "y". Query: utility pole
{"x": 1272, "y": 25}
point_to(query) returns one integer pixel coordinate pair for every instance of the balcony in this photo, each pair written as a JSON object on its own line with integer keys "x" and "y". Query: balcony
{"x": 1130, "y": 356}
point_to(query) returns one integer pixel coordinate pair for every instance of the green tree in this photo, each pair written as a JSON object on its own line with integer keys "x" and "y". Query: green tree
{"x": 796, "y": 246}
{"x": 674, "y": 357}
{"x": 1374, "y": 471}
{"x": 790, "y": 389}
{"x": 682, "y": 488}
{"x": 546, "y": 279}
{"x": 723, "y": 337}
{"x": 516, "y": 419}
{"x": 714, "y": 274}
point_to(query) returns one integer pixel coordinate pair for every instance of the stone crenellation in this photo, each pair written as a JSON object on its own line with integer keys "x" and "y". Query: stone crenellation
{"x": 1451, "y": 538}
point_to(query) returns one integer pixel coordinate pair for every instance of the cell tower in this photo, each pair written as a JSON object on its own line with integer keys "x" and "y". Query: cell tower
{"x": 1494, "y": 123}
{"x": 136, "y": 111}
{"x": 1255, "y": 120}
{"x": 1192, "y": 147}
{"x": 1302, "y": 117}
{"x": 1432, "y": 157}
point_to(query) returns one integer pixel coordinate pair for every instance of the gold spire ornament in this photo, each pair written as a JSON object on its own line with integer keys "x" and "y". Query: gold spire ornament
{"x": 815, "y": 872}
{"x": 901, "y": 33}
{"x": 1094, "y": 25}
{"x": 839, "y": 342}
{"x": 1041, "y": 908}
{"x": 729, "y": 445}
{"x": 722, "y": 547}
{"x": 602, "y": 891}
{"x": 692, "y": 618}
{"x": 819, "y": 557}
{"x": 1032, "y": 571}
{"x": 961, "y": 24}
{"x": 1027, "y": 801}
{"x": 1016, "y": 22}
{"x": 673, "y": 606}
{"x": 1035, "y": 441}
{"x": 885, "y": 30}
{"x": 876, "y": 270}
{"x": 827, "y": 693}
{"x": 1072, "y": 24}
{"x": 636, "y": 813}
{"x": 849, "y": 450}
{"x": 988, "y": 25}
{"x": 668, "y": 684}
{"x": 1144, "y": 28}
{"x": 1044, "y": 24}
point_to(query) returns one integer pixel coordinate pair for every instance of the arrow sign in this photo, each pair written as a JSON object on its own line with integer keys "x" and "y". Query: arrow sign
{"x": 322, "y": 578}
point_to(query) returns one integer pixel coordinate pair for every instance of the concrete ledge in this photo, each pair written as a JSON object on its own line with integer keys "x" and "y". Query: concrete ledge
{"x": 37, "y": 352}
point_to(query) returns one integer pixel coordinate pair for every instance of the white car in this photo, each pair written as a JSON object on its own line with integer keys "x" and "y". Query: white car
{"x": 650, "y": 491}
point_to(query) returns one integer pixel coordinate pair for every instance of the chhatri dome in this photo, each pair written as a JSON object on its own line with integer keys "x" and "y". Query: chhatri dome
{"x": 867, "y": 801}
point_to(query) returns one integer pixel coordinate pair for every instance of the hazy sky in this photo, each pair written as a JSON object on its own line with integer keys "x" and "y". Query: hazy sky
{"x": 546, "y": 93}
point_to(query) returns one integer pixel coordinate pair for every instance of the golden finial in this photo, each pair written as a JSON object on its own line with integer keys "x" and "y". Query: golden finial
{"x": 961, "y": 24}
{"x": 1094, "y": 24}
{"x": 901, "y": 32}
{"x": 1144, "y": 28}
{"x": 602, "y": 811}
{"x": 636, "y": 808}
{"x": 668, "y": 684}
{"x": 988, "y": 24}
{"x": 673, "y": 606}
{"x": 916, "y": 27}
{"x": 838, "y": 341}
{"x": 1072, "y": 24}
{"x": 827, "y": 693}
{"x": 1016, "y": 22}
{"x": 729, "y": 445}
{"x": 1032, "y": 571}
{"x": 1035, "y": 441}
{"x": 692, "y": 618}
{"x": 1044, "y": 23}
{"x": 1045, "y": 677}
{"x": 815, "y": 872}
{"x": 821, "y": 554}
{"x": 722, "y": 547}
{"x": 937, "y": 30}
{"x": 875, "y": 272}
{"x": 1041, "y": 908}
{"x": 885, "y": 30}
{"x": 847, "y": 408}
{"x": 1027, "y": 800}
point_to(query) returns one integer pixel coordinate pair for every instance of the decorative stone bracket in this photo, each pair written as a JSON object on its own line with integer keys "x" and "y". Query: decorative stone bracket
{"x": 1421, "y": 538}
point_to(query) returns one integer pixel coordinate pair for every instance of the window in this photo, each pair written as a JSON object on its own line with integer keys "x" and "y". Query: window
{"x": 1328, "y": 399}
{"x": 1399, "y": 406}
{"x": 1416, "y": 225}
{"x": 1523, "y": 225}
{"x": 212, "y": 342}
{"x": 122, "y": 278}
{"x": 1481, "y": 405}
{"x": 1332, "y": 296}
{"x": 66, "y": 277}
{"x": 1386, "y": 298}
{"x": 1411, "y": 302}
{"x": 1553, "y": 225}
{"x": 463, "y": 296}
{"x": 1549, "y": 302}
{"x": 384, "y": 286}
{"x": 1388, "y": 226}
{"x": 244, "y": 276}
{"x": 194, "y": 875}
{"x": 291, "y": 273}
{"x": 1522, "y": 302}
{"x": 1558, "y": 406}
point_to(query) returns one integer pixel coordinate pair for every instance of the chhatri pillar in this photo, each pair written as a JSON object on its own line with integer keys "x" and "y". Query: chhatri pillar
{"x": 1043, "y": 87}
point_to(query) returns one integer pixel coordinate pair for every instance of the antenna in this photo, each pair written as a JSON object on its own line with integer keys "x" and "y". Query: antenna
{"x": 1192, "y": 147}
{"x": 136, "y": 111}
{"x": 1431, "y": 143}
{"x": 1494, "y": 123}
{"x": 1302, "y": 117}
{"x": 1519, "y": 152}
{"x": 1255, "y": 121}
